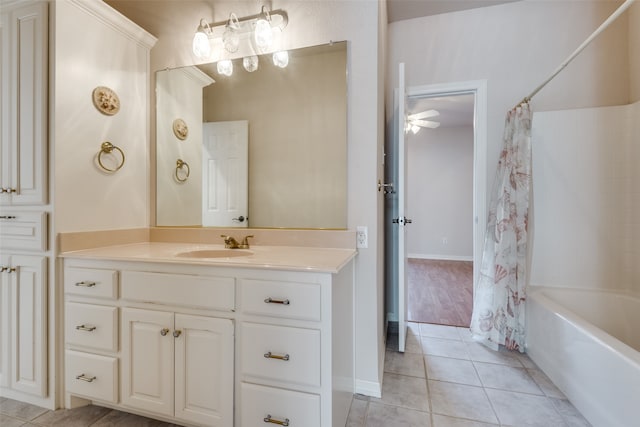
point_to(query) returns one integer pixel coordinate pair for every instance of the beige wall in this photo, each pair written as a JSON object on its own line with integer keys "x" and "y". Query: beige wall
{"x": 440, "y": 193}
{"x": 634, "y": 51}
{"x": 297, "y": 136}
{"x": 95, "y": 54}
{"x": 515, "y": 47}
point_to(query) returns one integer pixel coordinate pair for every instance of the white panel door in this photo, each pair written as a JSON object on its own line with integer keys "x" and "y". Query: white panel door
{"x": 147, "y": 360}
{"x": 28, "y": 278}
{"x": 225, "y": 174}
{"x": 204, "y": 370}
{"x": 402, "y": 211}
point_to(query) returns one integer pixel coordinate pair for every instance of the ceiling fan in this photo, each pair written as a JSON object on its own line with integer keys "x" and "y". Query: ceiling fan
{"x": 416, "y": 121}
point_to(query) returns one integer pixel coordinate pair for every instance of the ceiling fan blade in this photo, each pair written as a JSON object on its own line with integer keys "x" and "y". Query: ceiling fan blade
{"x": 425, "y": 123}
{"x": 424, "y": 115}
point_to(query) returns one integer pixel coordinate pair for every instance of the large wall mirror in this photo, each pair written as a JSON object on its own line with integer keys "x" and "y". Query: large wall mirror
{"x": 263, "y": 149}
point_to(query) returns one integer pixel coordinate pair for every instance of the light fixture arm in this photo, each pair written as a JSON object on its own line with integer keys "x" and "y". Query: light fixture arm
{"x": 277, "y": 18}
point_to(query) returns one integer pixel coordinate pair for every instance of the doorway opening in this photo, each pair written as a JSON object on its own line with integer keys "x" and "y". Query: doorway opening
{"x": 439, "y": 192}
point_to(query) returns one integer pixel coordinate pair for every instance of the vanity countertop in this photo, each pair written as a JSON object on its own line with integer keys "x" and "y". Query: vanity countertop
{"x": 296, "y": 258}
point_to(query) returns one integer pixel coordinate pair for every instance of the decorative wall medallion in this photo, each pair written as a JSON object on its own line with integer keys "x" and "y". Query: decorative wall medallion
{"x": 106, "y": 100}
{"x": 180, "y": 129}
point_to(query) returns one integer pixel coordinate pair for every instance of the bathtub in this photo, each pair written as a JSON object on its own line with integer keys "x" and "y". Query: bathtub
{"x": 588, "y": 343}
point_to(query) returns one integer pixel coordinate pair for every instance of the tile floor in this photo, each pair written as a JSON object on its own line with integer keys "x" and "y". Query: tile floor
{"x": 444, "y": 379}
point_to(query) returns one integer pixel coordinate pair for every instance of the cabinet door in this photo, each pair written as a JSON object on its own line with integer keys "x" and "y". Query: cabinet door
{"x": 204, "y": 370}
{"x": 24, "y": 105}
{"x": 5, "y": 324}
{"x": 147, "y": 360}
{"x": 28, "y": 279}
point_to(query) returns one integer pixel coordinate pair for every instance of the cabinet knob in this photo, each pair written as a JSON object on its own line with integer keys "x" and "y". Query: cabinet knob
{"x": 164, "y": 331}
{"x": 86, "y": 378}
{"x": 177, "y": 333}
{"x": 268, "y": 419}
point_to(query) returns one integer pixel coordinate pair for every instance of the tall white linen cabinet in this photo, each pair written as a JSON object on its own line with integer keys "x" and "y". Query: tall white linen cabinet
{"x": 42, "y": 105}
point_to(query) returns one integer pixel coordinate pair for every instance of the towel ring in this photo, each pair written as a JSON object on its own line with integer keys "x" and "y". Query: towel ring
{"x": 180, "y": 164}
{"x": 108, "y": 148}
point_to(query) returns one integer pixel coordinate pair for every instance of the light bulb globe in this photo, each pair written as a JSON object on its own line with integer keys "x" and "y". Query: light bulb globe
{"x": 281, "y": 59}
{"x": 263, "y": 34}
{"x": 225, "y": 67}
{"x": 201, "y": 45}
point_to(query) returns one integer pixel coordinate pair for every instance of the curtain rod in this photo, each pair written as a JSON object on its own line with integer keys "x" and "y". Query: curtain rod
{"x": 584, "y": 44}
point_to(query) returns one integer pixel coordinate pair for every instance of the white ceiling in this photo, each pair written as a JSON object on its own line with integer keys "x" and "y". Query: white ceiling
{"x": 398, "y": 10}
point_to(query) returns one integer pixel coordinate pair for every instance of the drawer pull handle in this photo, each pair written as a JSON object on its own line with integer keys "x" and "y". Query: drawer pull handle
{"x": 164, "y": 331}
{"x": 83, "y": 377}
{"x": 86, "y": 284}
{"x": 86, "y": 328}
{"x": 269, "y": 355}
{"x": 270, "y": 300}
{"x": 7, "y": 269}
{"x": 268, "y": 419}
{"x": 7, "y": 217}
{"x": 177, "y": 333}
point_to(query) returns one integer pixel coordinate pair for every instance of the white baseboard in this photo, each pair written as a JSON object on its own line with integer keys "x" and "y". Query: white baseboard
{"x": 369, "y": 388}
{"x": 442, "y": 257}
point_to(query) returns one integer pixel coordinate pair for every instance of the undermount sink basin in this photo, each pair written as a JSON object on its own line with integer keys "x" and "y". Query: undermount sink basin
{"x": 215, "y": 253}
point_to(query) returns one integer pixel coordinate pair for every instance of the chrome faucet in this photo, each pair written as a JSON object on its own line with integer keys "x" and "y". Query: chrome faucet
{"x": 231, "y": 243}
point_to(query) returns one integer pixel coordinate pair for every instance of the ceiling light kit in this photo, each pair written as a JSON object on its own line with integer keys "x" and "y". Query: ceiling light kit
{"x": 416, "y": 121}
{"x": 255, "y": 33}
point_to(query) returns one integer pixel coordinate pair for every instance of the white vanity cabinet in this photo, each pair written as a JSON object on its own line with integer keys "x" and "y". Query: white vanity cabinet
{"x": 211, "y": 345}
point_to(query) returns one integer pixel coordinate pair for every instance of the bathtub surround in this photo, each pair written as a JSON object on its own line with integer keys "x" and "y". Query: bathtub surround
{"x": 498, "y": 305}
{"x": 586, "y": 342}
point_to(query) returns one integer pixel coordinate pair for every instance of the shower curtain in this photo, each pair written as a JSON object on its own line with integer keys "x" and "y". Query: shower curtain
{"x": 498, "y": 308}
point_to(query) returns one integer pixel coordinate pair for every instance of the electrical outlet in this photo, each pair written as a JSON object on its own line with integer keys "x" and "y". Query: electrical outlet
{"x": 362, "y": 240}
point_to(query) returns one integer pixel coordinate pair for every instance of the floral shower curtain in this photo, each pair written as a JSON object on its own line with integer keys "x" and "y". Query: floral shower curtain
{"x": 498, "y": 308}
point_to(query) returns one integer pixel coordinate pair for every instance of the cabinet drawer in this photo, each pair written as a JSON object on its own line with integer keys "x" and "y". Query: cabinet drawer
{"x": 261, "y": 403}
{"x": 91, "y": 282}
{"x": 217, "y": 293}
{"x": 281, "y": 299}
{"x": 91, "y": 375}
{"x": 23, "y": 230}
{"x": 91, "y": 325}
{"x": 281, "y": 353}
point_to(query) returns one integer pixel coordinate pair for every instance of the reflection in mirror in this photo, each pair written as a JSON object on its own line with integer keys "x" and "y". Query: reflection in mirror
{"x": 264, "y": 149}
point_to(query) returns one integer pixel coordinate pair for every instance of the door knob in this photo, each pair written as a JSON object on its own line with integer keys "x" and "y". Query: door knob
{"x": 239, "y": 219}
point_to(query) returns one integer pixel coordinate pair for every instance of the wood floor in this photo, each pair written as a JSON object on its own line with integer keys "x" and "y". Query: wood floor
{"x": 440, "y": 291}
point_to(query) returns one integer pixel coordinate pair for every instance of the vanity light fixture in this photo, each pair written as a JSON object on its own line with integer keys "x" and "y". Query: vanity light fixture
{"x": 231, "y": 32}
